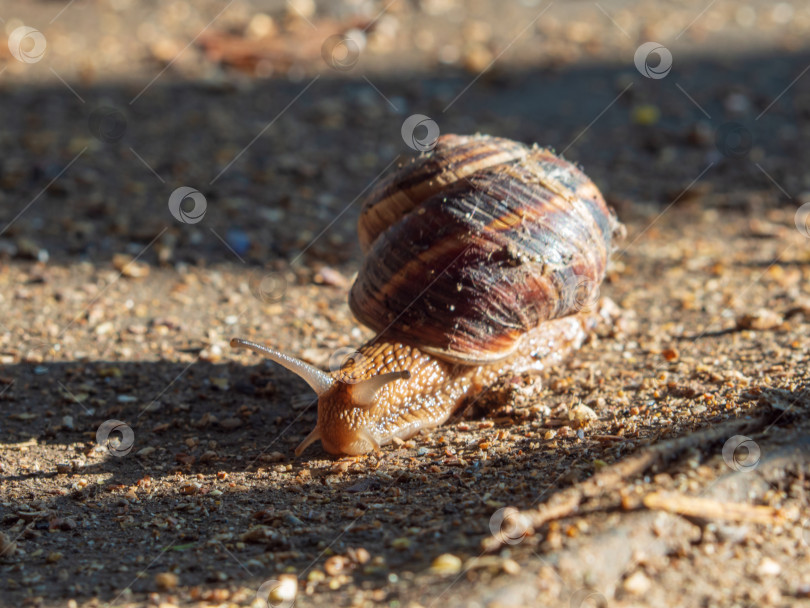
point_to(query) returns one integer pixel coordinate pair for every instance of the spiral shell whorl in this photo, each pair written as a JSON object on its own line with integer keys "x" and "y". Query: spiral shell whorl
{"x": 476, "y": 243}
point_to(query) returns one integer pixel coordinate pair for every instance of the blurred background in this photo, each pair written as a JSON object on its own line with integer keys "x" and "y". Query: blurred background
{"x": 282, "y": 114}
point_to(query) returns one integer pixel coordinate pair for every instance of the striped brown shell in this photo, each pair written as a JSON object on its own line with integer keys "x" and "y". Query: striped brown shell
{"x": 476, "y": 243}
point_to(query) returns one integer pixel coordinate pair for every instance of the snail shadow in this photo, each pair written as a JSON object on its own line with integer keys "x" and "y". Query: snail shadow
{"x": 197, "y": 487}
{"x": 209, "y": 467}
{"x": 163, "y": 403}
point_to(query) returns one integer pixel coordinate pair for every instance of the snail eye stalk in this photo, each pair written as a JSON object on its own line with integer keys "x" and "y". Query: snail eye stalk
{"x": 319, "y": 380}
{"x": 363, "y": 392}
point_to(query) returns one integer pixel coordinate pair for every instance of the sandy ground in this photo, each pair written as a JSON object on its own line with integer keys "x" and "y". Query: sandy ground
{"x": 616, "y": 468}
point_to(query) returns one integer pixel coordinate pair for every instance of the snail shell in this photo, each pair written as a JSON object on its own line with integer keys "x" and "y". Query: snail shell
{"x": 472, "y": 246}
{"x": 483, "y": 257}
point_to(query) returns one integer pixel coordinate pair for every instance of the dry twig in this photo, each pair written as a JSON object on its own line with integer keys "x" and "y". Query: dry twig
{"x": 612, "y": 479}
{"x": 707, "y": 508}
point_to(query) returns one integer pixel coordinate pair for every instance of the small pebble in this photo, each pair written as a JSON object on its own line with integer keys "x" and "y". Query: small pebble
{"x": 211, "y": 354}
{"x": 360, "y": 555}
{"x": 190, "y": 488}
{"x": 315, "y": 576}
{"x": 335, "y": 565}
{"x": 401, "y": 544}
{"x": 510, "y": 566}
{"x": 104, "y": 328}
{"x": 230, "y": 424}
{"x": 220, "y": 383}
{"x": 768, "y": 567}
{"x": 129, "y": 267}
{"x": 762, "y": 319}
{"x": 330, "y": 276}
{"x": 284, "y": 591}
{"x": 581, "y": 413}
{"x": 646, "y": 115}
{"x": 238, "y": 240}
{"x": 293, "y": 520}
{"x": 737, "y": 103}
{"x": 670, "y": 354}
{"x": 166, "y": 581}
{"x": 446, "y": 563}
{"x": 637, "y": 583}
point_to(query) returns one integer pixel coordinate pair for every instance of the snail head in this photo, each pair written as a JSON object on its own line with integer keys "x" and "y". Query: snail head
{"x": 346, "y": 410}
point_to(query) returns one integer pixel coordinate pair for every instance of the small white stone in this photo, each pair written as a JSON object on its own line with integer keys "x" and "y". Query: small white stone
{"x": 637, "y": 583}
{"x": 581, "y": 413}
{"x": 768, "y": 567}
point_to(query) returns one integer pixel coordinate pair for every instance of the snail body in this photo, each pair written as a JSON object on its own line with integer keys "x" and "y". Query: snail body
{"x": 483, "y": 257}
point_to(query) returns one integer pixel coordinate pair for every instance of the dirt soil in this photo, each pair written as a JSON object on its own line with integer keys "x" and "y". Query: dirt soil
{"x": 145, "y": 463}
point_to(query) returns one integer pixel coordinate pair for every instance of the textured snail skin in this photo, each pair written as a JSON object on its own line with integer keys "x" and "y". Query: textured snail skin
{"x": 435, "y": 389}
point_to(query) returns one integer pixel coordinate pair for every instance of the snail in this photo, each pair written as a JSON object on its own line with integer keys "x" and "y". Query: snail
{"x": 482, "y": 258}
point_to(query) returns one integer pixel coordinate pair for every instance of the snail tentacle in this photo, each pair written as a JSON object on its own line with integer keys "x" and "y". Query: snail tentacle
{"x": 313, "y": 436}
{"x": 363, "y": 392}
{"x": 319, "y": 380}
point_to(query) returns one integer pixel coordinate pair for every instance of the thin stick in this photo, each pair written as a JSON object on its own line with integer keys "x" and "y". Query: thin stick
{"x": 706, "y": 508}
{"x": 612, "y": 478}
